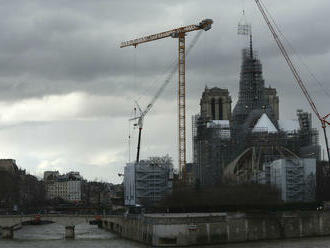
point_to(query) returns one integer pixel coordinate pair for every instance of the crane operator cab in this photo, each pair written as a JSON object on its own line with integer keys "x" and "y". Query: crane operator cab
{"x": 206, "y": 24}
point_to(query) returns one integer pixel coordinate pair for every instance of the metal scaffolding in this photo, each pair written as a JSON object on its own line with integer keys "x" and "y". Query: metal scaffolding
{"x": 248, "y": 147}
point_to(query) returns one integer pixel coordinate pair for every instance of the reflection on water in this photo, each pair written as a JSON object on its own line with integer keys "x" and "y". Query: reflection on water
{"x": 297, "y": 243}
{"x": 52, "y": 236}
{"x": 69, "y": 244}
{"x": 55, "y": 231}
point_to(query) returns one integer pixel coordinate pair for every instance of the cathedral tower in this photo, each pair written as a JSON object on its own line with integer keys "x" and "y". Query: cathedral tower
{"x": 216, "y": 104}
{"x": 252, "y": 101}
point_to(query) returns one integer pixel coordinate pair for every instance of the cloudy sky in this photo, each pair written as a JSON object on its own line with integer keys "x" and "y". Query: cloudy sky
{"x": 67, "y": 90}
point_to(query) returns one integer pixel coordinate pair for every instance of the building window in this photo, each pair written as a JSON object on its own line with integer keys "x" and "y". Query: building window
{"x": 213, "y": 108}
{"x": 220, "y": 109}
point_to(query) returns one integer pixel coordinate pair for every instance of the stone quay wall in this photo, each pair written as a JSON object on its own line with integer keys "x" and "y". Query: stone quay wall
{"x": 218, "y": 228}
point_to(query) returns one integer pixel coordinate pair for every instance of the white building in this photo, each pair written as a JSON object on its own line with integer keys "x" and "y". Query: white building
{"x": 148, "y": 182}
{"x": 295, "y": 178}
{"x": 223, "y": 128}
{"x": 129, "y": 184}
{"x": 67, "y": 187}
{"x": 74, "y": 190}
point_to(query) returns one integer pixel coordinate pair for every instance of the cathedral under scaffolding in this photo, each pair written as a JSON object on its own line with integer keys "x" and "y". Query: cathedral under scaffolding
{"x": 237, "y": 145}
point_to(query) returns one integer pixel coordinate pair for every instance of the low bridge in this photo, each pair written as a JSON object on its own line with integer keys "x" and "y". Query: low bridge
{"x": 9, "y": 222}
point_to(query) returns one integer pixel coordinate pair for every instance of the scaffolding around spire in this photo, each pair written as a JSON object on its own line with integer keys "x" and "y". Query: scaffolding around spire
{"x": 243, "y": 28}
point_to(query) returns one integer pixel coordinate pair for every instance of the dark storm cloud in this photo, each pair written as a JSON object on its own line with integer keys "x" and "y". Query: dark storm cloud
{"x": 55, "y": 47}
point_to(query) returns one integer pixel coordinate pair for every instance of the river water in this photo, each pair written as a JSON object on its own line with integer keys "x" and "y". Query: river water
{"x": 51, "y": 236}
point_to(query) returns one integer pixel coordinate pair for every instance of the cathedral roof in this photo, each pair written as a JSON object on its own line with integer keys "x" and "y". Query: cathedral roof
{"x": 264, "y": 124}
{"x": 215, "y": 91}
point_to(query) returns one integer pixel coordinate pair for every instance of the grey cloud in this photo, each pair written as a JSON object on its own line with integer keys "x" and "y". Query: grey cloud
{"x": 71, "y": 45}
{"x": 57, "y": 47}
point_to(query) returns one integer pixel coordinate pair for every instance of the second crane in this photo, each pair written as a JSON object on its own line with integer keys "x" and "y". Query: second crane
{"x": 179, "y": 33}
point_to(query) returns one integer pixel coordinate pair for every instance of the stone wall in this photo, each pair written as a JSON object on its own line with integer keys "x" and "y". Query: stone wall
{"x": 218, "y": 228}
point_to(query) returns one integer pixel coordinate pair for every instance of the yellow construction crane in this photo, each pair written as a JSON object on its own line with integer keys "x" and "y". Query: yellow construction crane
{"x": 179, "y": 33}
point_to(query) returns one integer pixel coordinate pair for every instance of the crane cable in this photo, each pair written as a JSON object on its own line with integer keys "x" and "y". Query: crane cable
{"x": 323, "y": 120}
{"x": 172, "y": 73}
{"x": 325, "y": 90}
{"x": 288, "y": 60}
{"x": 166, "y": 82}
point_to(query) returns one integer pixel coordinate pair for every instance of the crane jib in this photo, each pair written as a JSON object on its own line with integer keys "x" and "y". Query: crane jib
{"x": 159, "y": 35}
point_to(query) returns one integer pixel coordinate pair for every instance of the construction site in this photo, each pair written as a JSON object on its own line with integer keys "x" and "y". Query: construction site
{"x": 236, "y": 145}
{"x": 249, "y": 144}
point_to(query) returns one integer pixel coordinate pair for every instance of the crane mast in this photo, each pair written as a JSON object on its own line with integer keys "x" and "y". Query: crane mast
{"x": 179, "y": 33}
{"x": 323, "y": 120}
{"x": 182, "y": 106}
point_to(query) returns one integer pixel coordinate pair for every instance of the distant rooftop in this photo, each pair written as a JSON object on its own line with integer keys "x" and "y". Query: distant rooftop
{"x": 289, "y": 126}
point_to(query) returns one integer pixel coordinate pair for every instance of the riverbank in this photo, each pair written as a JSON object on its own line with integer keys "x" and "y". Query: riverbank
{"x": 218, "y": 228}
{"x": 52, "y": 236}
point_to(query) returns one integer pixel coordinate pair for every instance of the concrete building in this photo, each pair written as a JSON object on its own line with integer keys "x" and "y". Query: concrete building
{"x": 148, "y": 181}
{"x": 8, "y": 165}
{"x": 295, "y": 178}
{"x": 67, "y": 187}
{"x": 50, "y": 175}
{"x": 190, "y": 173}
